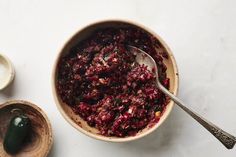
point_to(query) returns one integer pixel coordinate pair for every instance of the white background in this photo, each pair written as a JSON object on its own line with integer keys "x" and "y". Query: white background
{"x": 201, "y": 33}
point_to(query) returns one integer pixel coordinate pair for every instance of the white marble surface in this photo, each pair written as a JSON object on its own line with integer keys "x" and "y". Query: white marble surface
{"x": 202, "y": 35}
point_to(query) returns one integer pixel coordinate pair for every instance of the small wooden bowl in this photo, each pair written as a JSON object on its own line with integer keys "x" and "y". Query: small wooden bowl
{"x": 40, "y": 141}
{"x": 74, "y": 119}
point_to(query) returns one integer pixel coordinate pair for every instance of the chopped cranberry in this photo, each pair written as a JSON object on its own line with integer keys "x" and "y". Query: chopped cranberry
{"x": 103, "y": 84}
{"x": 83, "y": 109}
{"x": 139, "y": 74}
{"x": 106, "y": 116}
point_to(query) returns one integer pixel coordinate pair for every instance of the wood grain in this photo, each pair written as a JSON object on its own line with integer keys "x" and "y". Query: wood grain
{"x": 40, "y": 140}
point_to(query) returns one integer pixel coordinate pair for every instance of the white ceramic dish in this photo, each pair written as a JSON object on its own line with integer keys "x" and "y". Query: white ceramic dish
{"x": 7, "y": 72}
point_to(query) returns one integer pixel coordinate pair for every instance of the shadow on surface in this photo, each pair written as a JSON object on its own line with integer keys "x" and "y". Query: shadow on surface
{"x": 8, "y": 92}
{"x": 52, "y": 151}
{"x": 161, "y": 137}
{"x": 157, "y": 143}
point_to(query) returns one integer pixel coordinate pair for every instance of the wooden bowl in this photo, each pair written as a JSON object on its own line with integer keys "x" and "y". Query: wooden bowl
{"x": 40, "y": 140}
{"x": 75, "y": 120}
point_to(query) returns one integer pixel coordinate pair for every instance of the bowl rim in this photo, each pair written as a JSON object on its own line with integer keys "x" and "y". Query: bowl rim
{"x": 38, "y": 109}
{"x": 10, "y": 72}
{"x": 104, "y": 138}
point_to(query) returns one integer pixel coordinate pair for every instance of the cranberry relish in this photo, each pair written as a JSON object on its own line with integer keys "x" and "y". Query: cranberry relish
{"x": 100, "y": 80}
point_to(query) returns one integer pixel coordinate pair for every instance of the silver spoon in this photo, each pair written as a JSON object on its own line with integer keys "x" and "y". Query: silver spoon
{"x": 225, "y": 138}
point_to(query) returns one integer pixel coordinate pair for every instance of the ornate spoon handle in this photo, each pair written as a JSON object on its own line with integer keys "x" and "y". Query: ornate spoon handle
{"x": 225, "y": 138}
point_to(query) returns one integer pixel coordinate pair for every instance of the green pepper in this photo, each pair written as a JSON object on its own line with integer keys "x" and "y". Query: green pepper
{"x": 18, "y": 129}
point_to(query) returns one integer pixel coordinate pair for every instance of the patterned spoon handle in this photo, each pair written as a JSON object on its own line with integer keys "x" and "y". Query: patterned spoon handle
{"x": 225, "y": 138}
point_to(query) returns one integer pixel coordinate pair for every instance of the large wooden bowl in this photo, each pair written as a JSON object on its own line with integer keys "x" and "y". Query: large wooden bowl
{"x": 40, "y": 140}
{"x": 76, "y": 121}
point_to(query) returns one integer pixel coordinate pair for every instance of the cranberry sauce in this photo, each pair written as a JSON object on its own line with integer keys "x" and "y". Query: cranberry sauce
{"x": 100, "y": 80}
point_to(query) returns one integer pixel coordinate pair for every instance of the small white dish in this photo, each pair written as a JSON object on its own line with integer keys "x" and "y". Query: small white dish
{"x": 7, "y": 72}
